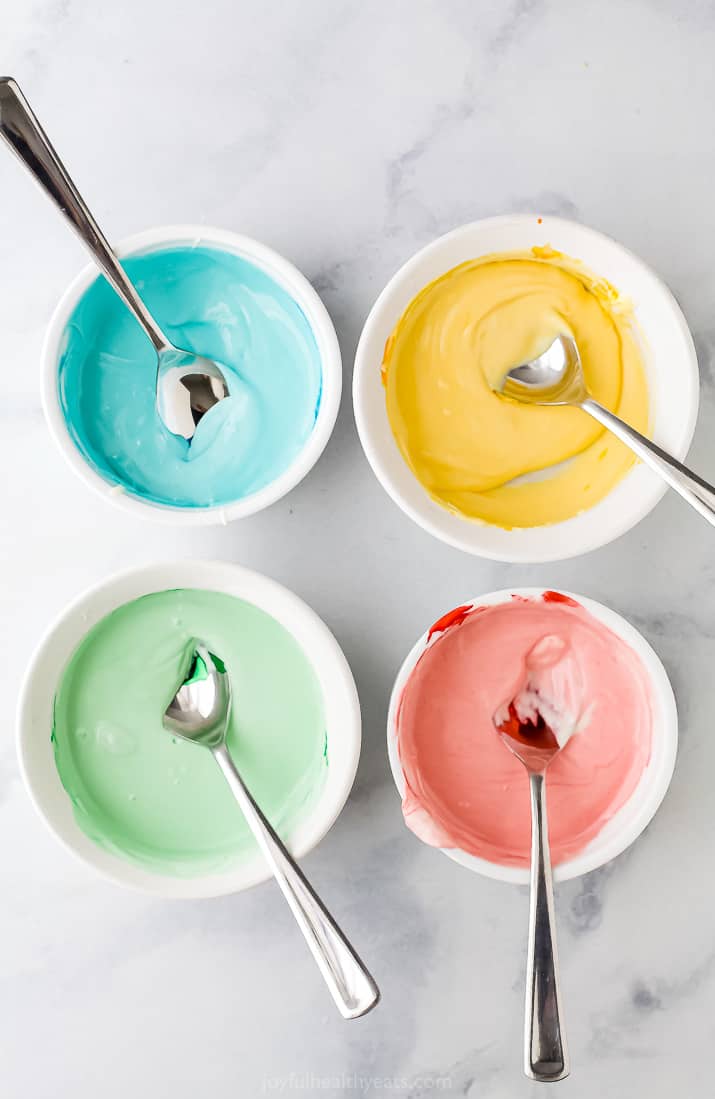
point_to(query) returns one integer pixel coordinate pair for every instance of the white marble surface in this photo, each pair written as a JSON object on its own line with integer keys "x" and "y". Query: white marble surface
{"x": 347, "y": 135}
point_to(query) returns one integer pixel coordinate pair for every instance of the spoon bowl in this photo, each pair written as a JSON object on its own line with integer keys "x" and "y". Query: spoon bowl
{"x": 532, "y": 742}
{"x": 187, "y": 387}
{"x": 200, "y": 709}
{"x": 554, "y": 377}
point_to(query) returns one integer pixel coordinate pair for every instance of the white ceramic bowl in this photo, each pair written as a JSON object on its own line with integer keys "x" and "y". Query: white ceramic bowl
{"x": 631, "y": 818}
{"x": 37, "y": 764}
{"x": 670, "y": 361}
{"x": 293, "y": 282}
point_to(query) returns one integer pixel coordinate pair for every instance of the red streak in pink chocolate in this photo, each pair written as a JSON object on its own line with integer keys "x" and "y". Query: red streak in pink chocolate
{"x": 451, "y": 618}
{"x": 559, "y": 597}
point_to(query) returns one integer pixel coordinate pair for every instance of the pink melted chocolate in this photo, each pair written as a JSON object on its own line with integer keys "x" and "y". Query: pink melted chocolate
{"x": 463, "y": 787}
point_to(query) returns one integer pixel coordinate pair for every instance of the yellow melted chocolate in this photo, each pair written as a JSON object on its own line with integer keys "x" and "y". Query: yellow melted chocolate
{"x": 472, "y": 448}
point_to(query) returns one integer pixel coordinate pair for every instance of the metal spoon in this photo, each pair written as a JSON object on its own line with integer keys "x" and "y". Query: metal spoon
{"x": 187, "y": 385}
{"x": 199, "y": 712}
{"x": 545, "y": 1053}
{"x": 556, "y": 378}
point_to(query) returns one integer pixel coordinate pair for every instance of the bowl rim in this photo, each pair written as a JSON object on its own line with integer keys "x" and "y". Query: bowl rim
{"x": 617, "y": 834}
{"x": 79, "y": 616}
{"x": 300, "y": 289}
{"x": 459, "y": 531}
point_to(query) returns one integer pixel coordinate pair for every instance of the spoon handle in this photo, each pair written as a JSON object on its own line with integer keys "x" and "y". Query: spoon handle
{"x": 545, "y": 1054}
{"x": 350, "y": 984}
{"x": 692, "y": 488}
{"x": 23, "y": 133}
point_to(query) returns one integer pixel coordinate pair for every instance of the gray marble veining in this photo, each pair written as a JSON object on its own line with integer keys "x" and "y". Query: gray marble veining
{"x": 347, "y": 135}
